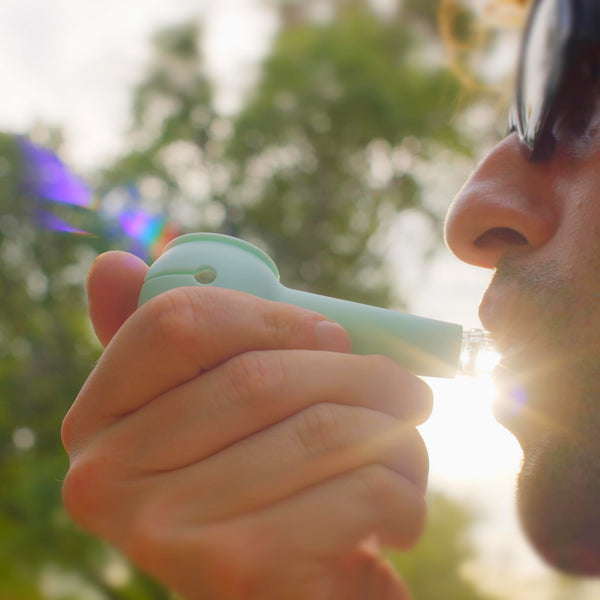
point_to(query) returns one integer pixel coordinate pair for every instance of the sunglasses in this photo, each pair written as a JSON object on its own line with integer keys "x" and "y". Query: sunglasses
{"x": 558, "y": 76}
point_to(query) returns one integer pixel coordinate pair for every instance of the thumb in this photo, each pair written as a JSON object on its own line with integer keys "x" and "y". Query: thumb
{"x": 113, "y": 286}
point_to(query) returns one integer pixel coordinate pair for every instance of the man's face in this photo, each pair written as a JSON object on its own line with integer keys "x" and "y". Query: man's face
{"x": 538, "y": 226}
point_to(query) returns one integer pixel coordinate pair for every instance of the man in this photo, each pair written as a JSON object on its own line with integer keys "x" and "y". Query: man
{"x": 235, "y": 448}
{"x": 531, "y": 212}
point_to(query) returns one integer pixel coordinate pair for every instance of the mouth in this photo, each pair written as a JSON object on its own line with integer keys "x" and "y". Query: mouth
{"x": 546, "y": 395}
{"x": 530, "y": 392}
{"x": 512, "y": 401}
{"x": 532, "y": 377}
{"x": 517, "y": 405}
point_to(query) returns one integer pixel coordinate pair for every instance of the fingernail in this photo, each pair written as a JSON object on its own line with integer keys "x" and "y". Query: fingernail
{"x": 331, "y": 336}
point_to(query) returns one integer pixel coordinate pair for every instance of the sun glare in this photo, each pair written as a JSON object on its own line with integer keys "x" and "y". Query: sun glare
{"x": 464, "y": 440}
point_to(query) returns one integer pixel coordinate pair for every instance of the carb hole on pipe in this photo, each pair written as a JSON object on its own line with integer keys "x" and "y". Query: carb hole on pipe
{"x": 205, "y": 275}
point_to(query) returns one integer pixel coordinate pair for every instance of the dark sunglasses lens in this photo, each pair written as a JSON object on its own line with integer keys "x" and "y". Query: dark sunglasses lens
{"x": 540, "y": 69}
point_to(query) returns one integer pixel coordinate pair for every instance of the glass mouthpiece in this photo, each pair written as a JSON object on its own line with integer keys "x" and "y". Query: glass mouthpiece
{"x": 478, "y": 355}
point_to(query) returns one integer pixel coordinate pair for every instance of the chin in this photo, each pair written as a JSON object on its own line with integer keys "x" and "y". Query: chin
{"x": 559, "y": 502}
{"x": 555, "y": 417}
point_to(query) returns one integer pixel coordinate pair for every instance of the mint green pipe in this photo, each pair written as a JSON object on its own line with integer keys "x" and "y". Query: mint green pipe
{"x": 423, "y": 346}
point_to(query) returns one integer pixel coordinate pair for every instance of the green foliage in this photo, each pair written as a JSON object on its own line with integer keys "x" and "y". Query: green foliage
{"x": 432, "y": 570}
{"x": 311, "y": 168}
{"x": 335, "y": 104}
{"x": 46, "y": 352}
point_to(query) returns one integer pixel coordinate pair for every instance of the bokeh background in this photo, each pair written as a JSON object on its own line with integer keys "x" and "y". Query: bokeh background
{"x": 333, "y": 134}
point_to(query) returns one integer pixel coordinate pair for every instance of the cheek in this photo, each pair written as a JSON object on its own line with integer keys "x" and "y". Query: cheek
{"x": 578, "y": 199}
{"x": 574, "y": 250}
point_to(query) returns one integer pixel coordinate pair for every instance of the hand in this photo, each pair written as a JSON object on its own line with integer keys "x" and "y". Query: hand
{"x": 233, "y": 448}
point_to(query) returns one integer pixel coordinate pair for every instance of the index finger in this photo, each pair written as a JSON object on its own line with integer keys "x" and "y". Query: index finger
{"x": 178, "y": 335}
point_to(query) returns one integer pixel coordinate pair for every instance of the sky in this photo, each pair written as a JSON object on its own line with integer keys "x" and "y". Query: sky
{"x": 74, "y": 63}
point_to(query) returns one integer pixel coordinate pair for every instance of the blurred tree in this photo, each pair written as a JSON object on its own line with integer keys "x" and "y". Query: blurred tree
{"x": 316, "y": 165}
{"x": 46, "y": 352}
{"x": 433, "y": 569}
{"x": 314, "y": 168}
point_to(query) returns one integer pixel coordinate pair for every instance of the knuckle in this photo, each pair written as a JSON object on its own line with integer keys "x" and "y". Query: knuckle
{"x": 421, "y": 448}
{"x": 291, "y": 325}
{"x": 411, "y": 458}
{"x": 320, "y": 428}
{"x": 380, "y": 365}
{"x": 254, "y": 373}
{"x": 84, "y": 496}
{"x": 378, "y": 485}
{"x": 183, "y": 322}
{"x": 424, "y": 408}
{"x": 170, "y": 317}
{"x": 412, "y": 443}
{"x": 380, "y": 368}
{"x": 415, "y": 525}
{"x": 74, "y": 425}
{"x": 67, "y": 431}
{"x": 416, "y": 403}
{"x": 390, "y": 494}
{"x": 418, "y": 450}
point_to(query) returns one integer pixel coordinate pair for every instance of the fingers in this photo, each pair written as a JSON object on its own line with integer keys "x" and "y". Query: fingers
{"x": 254, "y": 391}
{"x": 238, "y": 436}
{"x": 216, "y": 465}
{"x": 182, "y": 333}
{"x": 303, "y": 547}
{"x": 113, "y": 285}
{"x": 342, "y": 512}
{"x": 319, "y": 443}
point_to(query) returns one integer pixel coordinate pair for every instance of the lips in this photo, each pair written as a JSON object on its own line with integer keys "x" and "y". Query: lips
{"x": 515, "y": 331}
{"x": 512, "y": 401}
{"x": 501, "y": 315}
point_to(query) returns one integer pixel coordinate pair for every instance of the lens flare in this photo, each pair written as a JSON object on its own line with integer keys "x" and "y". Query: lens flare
{"x": 52, "y": 222}
{"x": 518, "y": 400}
{"x": 46, "y": 177}
{"x": 49, "y": 185}
{"x": 150, "y": 232}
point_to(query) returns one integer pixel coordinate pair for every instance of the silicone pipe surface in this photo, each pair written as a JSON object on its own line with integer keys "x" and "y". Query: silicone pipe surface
{"x": 423, "y": 346}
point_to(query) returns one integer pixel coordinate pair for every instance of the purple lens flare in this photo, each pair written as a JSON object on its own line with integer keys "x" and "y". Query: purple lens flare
{"x": 152, "y": 232}
{"x": 46, "y": 177}
{"x": 49, "y": 185}
{"x": 52, "y": 222}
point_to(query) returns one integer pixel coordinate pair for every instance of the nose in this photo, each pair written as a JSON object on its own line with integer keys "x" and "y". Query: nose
{"x": 507, "y": 205}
